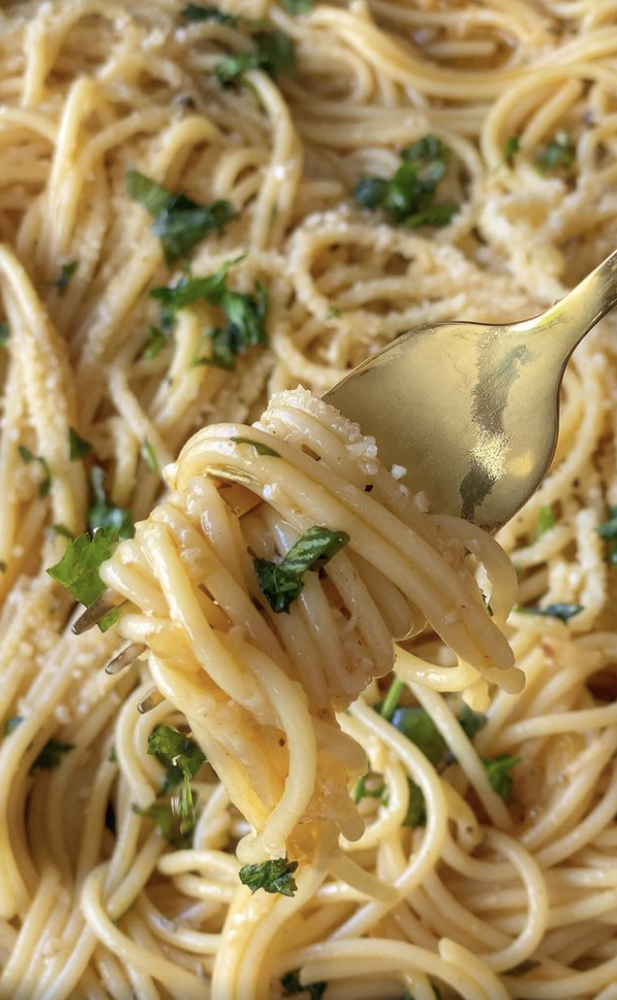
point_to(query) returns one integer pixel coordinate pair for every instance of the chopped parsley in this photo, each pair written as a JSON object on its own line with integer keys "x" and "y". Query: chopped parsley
{"x": 499, "y": 771}
{"x": 271, "y": 876}
{"x": 157, "y": 340}
{"x": 416, "y": 806}
{"x": 408, "y": 196}
{"x": 4, "y": 334}
{"x": 608, "y": 531}
{"x": 281, "y": 583}
{"x": 417, "y": 725}
{"x": 558, "y": 154}
{"x": 274, "y": 53}
{"x": 245, "y": 314}
{"x": 28, "y": 456}
{"x": 562, "y": 611}
{"x": 178, "y": 833}
{"x": 179, "y": 222}
{"x": 362, "y": 792}
{"x": 546, "y": 521}
{"x": 511, "y": 147}
{"x": 11, "y": 724}
{"x": 66, "y": 273}
{"x": 295, "y": 7}
{"x": 104, "y": 514}
{"x": 50, "y": 756}
{"x": 78, "y": 446}
{"x": 471, "y": 722}
{"x": 195, "y": 12}
{"x": 78, "y": 570}
{"x": 261, "y": 449}
{"x": 147, "y": 453}
{"x": 182, "y": 758}
{"x": 292, "y": 985}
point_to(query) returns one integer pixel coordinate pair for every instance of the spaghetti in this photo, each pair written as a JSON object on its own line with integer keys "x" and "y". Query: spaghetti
{"x": 331, "y": 177}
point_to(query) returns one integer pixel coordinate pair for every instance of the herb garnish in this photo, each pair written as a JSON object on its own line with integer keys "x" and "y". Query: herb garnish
{"x": 50, "y": 756}
{"x": 273, "y": 53}
{"x": 195, "y": 12}
{"x": 4, "y": 333}
{"x": 182, "y": 758}
{"x": 408, "y": 196}
{"x": 471, "y": 722}
{"x": 245, "y": 314}
{"x": 148, "y": 455}
{"x": 78, "y": 570}
{"x": 261, "y": 449}
{"x": 179, "y": 222}
{"x": 560, "y": 610}
{"x": 511, "y": 147}
{"x": 68, "y": 270}
{"x": 608, "y": 531}
{"x": 546, "y": 521}
{"x": 177, "y": 833}
{"x": 559, "y": 153}
{"x": 416, "y": 806}
{"x": 271, "y": 876}
{"x": 78, "y": 446}
{"x": 104, "y": 514}
{"x": 157, "y": 340}
{"x": 295, "y": 7}
{"x": 360, "y": 791}
{"x": 417, "y": 725}
{"x": 29, "y": 456}
{"x": 11, "y": 724}
{"x": 499, "y": 774}
{"x": 292, "y": 985}
{"x": 282, "y": 582}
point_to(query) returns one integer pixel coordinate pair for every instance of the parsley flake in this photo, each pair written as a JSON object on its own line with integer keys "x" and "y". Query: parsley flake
{"x": 558, "y": 154}
{"x": 562, "y": 611}
{"x": 245, "y": 314}
{"x": 274, "y": 53}
{"x": 66, "y": 273}
{"x": 78, "y": 446}
{"x": 11, "y": 724}
{"x": 511, "y": 147}
{"x": 179, "y": 222}
{"x": 78, "y": 570}
{"x": 104, "y": 514}
{"x": 281, "y": 583}
{"x": 50, "y": 756}
{"x": 499, "y": 774}
{"x": 295, "y": 7}
{"x": 292, "y": 985}
{"x": 408, "y": 196}
{"x": 28, "y": 456}
{"x": 271, "y": 876}
{"x": 4, "y": 334}
{"x": 608, "y": 531}
{"x": 471, "y": 722}
{"x": 179, "y": 835}
{"x": 148, "y": 455}
{"x": 261, "y": 449}
{"x": 182, "y": 758}
{"x": 157, "y": 340}
{"x": 195, "y": 12}
{"x": 546, "y": 521}
{"x": 416, "y": 806}
{"x": 417, "y": 725}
